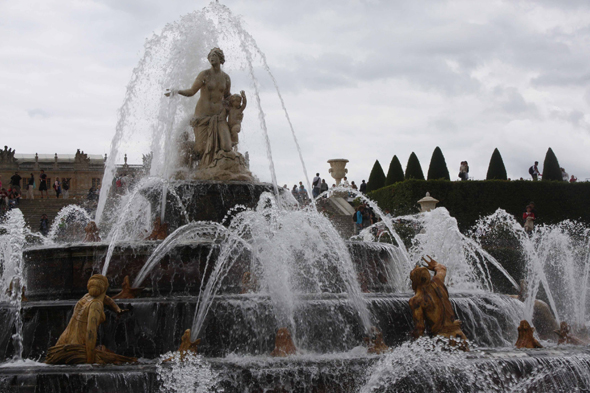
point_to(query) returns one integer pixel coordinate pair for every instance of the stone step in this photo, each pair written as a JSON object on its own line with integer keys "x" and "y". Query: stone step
{"x": 33, "y": 209}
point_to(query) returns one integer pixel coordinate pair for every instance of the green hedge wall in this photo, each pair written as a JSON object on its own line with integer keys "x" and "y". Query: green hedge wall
{"x": 467, "y": 201}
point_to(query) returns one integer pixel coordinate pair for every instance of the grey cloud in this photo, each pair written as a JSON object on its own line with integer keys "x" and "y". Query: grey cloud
{"x": 512, "y": 102}
{"x": 558, "y": 78}
{"x": 38, "y": 113}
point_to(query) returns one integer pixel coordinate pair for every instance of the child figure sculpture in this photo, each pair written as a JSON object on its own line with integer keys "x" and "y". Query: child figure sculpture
{"x": 237, "y": 104}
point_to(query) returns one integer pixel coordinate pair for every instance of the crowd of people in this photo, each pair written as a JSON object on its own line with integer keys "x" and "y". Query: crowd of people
{"x": 319, "y": 186}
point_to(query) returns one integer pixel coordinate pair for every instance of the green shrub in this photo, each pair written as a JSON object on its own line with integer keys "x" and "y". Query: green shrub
{"x": 395, "y": 172}
{"x": 496, "y": 169}
{"x": 438, "y": 166}
{"x": 376, "y": 178}
{"x": 413, "y": 169}
{"x": 468, "y": 201}
{"x": 551, "y": 169}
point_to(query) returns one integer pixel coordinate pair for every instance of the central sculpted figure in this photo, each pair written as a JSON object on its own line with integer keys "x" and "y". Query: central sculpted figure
{"x": 215, "y": 134}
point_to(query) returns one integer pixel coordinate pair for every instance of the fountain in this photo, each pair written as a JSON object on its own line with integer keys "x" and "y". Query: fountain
{"x": 231, "y": 285}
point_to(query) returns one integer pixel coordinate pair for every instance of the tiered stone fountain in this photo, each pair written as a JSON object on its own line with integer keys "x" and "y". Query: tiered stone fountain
{"x": 274, "y": 298}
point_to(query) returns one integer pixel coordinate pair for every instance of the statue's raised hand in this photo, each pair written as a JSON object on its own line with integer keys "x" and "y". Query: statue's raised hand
{"x": 430, "y": 263}
{"x": 170, "y": 92}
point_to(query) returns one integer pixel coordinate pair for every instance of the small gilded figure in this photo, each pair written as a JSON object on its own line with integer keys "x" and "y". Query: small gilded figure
{"x": 431, "y": 308}
{"x": 77, "y": 344}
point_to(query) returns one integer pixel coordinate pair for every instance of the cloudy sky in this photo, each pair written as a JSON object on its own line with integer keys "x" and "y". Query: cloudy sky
{"x": 362, "y": 80}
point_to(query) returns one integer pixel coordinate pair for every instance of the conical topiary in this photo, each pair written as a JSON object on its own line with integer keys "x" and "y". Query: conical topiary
{"x": 376, "y": 178}
{"x": 496, "y": 169}
{"x": 413, "y": 169}
{"x": 395, "y": 173}
{"x": 551, "y": 169}
{"x": 438, "y": 166}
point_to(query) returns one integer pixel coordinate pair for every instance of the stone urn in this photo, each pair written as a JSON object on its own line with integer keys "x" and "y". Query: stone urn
{"x": 427, "y": 203}
{"x": 338, "y": 169}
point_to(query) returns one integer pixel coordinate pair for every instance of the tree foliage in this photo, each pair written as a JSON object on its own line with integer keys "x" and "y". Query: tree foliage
{"x": 551, "y": 169}
{"x": 376, "y": 178}
{"x": 395, "y": 173}
{"x": 496, "y": 169}
{"x": 438, "y": 166}
{"x": 413, "y": 169}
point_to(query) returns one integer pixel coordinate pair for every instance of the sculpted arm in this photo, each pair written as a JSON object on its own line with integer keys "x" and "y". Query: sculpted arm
{"x": 244, "y": 100}
{"x": 110, "y": 303}
{"x": 227, "y": 91}
{"x": 439, "y": 269}
{"x": 418, "y": 317}
{"x": 199, "y": 82}
{"x": 91, "y": 334}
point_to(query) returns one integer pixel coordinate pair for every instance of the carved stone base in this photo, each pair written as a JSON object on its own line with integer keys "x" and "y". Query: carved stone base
{"x": 226, "y": 166}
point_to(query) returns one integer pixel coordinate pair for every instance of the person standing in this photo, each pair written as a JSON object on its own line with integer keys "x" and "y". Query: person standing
{"x": 359, "y": 219}
{"x": 573, "y": 179}
{"x": 66, "y": 188}
{"x": 564, "y": 175}
{"x": 317, "y": 182}
{"x": 323, "y": 187}
{"x": 57, "y": 187}
{"x": 534, "y": 171}
{"x": 15, "y": 181}
{"x": 529, "y": 219}
{"x": 43, "y": 184}
{"x": 44, "y": 225}
{"x": 464, "y": 171}
{"x": 363, "y": 187}
{"x": 31, "y": 187}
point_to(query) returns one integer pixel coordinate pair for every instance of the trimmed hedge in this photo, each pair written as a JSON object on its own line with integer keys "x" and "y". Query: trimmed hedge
{"x": 414, "y": 169}
{"x": 496, "y": 169}
{"x": 376, "y": 178}
{"x": 438, "y": 166}
{"x": 467, "y": 201}
{"x": 551, "y": 168}
{"x": 395, "y": 172}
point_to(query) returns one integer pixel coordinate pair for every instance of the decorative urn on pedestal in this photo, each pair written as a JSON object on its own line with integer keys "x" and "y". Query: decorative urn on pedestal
{"x": 338, "y": 169}
{"x": 427, "y": 203}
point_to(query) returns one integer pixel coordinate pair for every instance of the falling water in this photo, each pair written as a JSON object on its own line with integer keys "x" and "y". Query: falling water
{"x": 69, "y": 216}
{"x": 11, "y": 262}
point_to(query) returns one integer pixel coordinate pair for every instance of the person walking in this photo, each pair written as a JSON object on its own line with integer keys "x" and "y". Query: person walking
{"x": 57, "y": 187}
{"x": 31, "y": 187}
{"x": 534, "y": 171}
{"x": 43, "y": 184}
{"x": 317, "y": 183}
{"x": 363, "y": 187}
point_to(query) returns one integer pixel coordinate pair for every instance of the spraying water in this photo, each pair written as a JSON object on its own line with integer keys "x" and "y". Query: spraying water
{"x": 69, "y": 216}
